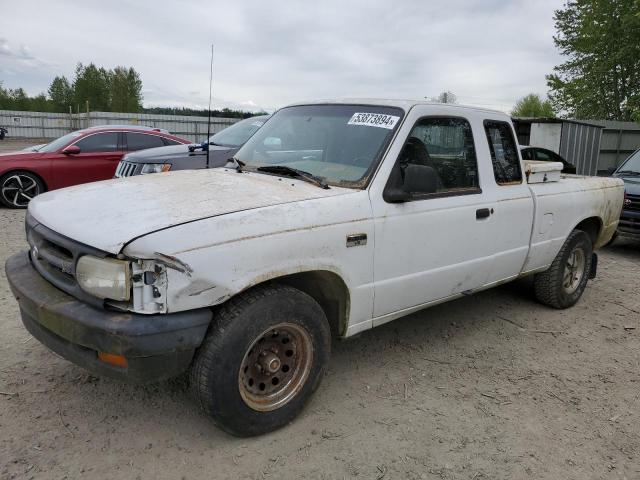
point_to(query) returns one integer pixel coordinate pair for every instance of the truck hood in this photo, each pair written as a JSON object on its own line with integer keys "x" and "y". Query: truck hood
{"x": 109, "y": 214}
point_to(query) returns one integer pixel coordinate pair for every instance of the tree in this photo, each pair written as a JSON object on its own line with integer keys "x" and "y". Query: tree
{"x": 18, "y": 99}
{"x": 533, "y": 106}
{"x": 92, "y": 84}
{"x": 126, "y": 90}
{"x": 445, "y": 97}
{"x": 4, "y": 98}
{"x": 601, "y": 75}
{"x": 61, "y": 94}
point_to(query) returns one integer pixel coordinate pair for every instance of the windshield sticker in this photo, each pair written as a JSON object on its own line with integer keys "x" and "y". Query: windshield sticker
{"x": 374, "y": 120}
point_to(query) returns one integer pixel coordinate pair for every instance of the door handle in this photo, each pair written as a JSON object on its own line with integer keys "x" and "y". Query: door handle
{"x": 483, "y": 213}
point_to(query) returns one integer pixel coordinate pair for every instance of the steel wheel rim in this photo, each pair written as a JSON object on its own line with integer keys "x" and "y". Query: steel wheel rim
{"x": 275, "y": 367}
{"x": 573, "y": 271}
{"x": 18, "y": 190}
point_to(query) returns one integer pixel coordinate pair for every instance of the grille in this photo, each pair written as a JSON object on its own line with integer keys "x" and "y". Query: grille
{"x": 54, "y": 256}
{"x": 629, "y": 224}
{"x": 126, "y": 169}
{"x": 633, "y": 203}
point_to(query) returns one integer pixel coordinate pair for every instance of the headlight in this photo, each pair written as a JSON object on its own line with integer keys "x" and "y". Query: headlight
{"x": 155, "y": 168}
{"x": 104, "y": 277}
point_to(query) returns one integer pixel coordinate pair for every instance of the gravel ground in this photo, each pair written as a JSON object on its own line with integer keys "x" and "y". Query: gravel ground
{"x": 493, "y": 386}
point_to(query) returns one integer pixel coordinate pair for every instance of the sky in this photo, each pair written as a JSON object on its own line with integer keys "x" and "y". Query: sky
{"x": 268, "y": 54}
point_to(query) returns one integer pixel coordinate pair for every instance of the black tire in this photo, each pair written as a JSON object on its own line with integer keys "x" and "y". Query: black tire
{"x": 17, "y": 188}
{"x": 553, "y": 287}
{"x": 237, "y": 334}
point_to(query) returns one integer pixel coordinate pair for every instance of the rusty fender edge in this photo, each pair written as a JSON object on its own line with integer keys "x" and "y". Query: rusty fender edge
{"x": 156, "y": 346}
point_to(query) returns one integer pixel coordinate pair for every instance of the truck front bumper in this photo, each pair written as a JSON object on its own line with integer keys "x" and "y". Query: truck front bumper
{"x": 155, "y": 346}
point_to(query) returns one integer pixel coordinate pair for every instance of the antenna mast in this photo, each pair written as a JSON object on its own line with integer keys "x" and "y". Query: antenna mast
{"x": 209, "y": 119}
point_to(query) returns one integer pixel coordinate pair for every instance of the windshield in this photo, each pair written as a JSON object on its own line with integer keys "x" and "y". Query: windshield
{"x": 238, "y": 133}
{"x": 632, "y": 164}
{"x": 340, "y": 144}
{"x": 58, "y": 143}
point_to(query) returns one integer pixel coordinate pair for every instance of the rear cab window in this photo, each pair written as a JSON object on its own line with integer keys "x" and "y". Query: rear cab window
{"x": 504, "y": 153}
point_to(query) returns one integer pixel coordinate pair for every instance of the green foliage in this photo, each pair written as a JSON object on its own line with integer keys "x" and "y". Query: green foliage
{"x": 92, "y": 85}
{"x": 601, "y": 75}
{"x": 17, "y": 99}
{"x": 533, "y": 106}
{"x": 117, "y": 90}
{"x": 61, "y": 94}
{"x": 126, "y": 90}
{"x": 192, "y": 112}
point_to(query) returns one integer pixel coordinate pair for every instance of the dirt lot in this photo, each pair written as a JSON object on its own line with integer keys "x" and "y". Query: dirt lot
{"x": 491, "y": 386}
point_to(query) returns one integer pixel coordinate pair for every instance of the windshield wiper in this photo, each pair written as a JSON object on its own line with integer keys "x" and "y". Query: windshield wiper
{"x": 239, "y": 163}
{"x": 627, "y": 172}
{"x": 295, "y": 173}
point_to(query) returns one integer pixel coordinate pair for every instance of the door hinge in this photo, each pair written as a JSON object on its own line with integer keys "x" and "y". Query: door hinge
{"x": 356, "y": 240}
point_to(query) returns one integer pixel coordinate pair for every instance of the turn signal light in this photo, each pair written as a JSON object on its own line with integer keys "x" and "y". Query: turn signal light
{"x": 113, "y": 359}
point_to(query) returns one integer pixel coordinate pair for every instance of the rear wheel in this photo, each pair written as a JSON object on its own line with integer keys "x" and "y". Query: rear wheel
{"x": 263, "y": 358}
{"x": 17, "y": 189}
{"x": 562, "y": 285}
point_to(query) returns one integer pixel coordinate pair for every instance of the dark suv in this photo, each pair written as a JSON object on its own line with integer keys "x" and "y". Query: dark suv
{"x": 629, "y": 172}
{"x": 222, "y": 146}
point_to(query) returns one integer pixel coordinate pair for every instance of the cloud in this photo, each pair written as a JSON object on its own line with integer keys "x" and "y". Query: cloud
{"x": 488, "y": 52}
{"x": 22, "y": 55}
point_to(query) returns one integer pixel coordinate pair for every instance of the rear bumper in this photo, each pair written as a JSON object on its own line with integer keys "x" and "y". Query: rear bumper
{"x": 155, "y": 346}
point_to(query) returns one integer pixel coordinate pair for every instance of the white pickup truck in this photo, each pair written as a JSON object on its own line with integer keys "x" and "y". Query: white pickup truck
{"x": 334, "y": 218}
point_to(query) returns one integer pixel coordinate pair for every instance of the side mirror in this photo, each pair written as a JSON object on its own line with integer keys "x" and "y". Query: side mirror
{"x": 396, "y": 195}
{"x": 71, "y": 150}
{"x": 418, "y": 179}
{"x": 611, "y": 170}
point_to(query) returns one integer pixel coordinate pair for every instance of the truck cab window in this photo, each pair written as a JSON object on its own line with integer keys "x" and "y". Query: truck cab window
{"x": 504, "y": 155}
{"x": 438, "y": 157}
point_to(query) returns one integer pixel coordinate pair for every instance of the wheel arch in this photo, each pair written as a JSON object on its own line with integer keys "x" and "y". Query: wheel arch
{"x": 325, "y": 287}
{"x": 592, "y": 226}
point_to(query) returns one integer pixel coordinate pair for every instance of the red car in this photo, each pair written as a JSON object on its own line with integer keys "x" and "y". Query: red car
{"x": 78, "y": 157}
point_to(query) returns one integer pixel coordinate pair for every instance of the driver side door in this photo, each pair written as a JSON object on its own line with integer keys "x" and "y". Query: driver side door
{"x": 437, "y": 243}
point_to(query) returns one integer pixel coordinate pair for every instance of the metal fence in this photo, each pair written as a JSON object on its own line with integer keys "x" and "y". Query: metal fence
{"x": 580, "y": 145}
{"x": 53, "y": 125}
{"x": 619, "y": 140}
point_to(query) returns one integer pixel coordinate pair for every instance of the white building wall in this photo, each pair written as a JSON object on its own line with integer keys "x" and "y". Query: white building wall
{"x": 546, "y": 135}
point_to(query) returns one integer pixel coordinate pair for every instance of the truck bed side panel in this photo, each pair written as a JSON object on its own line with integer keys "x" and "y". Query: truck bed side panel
{"x": 562, "y": 205}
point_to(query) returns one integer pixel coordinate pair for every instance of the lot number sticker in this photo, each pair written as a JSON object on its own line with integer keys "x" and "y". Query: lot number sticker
{"x": 374, "y": 120}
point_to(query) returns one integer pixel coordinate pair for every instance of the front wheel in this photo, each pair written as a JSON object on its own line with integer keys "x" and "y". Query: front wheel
{"x": 562, "y": 285}
{"x": 264, "y": 356}
{"x": 17, "y": 189}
